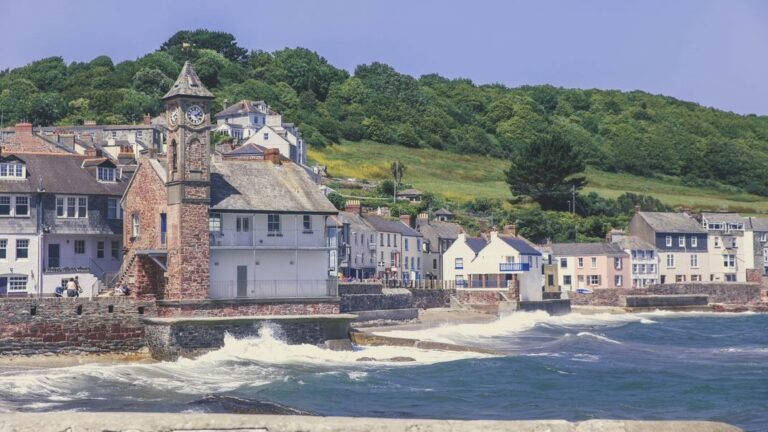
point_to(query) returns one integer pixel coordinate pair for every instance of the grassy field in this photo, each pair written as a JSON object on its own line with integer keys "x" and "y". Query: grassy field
{"x": 462, "y": 177}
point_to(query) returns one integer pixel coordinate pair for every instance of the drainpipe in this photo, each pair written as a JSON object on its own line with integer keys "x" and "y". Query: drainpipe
{"x": 40, "y": 239}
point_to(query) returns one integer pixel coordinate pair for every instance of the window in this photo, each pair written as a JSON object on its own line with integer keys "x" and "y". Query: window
{"x": 461, "y": 282}
{"x": 550, "y": 280}
{"x": 5, "y": 205}
{"x": 434, "y": 264}
{"x": 581, "y": 262}
{"x": 729, "y": 261}
{"x": 71, "y": 207}
{"x": 12, "y": 170}
{"x": 17, "y": 284}
{"x": 681, "y": 241}
{"x": 389, "y": 240}
{"x": 650, "y": 254}
{"x": 79, "y": 247}
{"x": 459, "y": 263}
{"x": 566, "y": 280}
{"x": 634, "y": 268}
{"x": 694, "y": 260}
{"x": 418, "y": 244}
{"x": 273, "y": 225}
{"x": 641, "y": 268}
{"x": 405, "y": 244}
{"x": 594, "y": 262}
{"x": 730, "y": 277}
{"x": 113, "y": 209}
{"x": 670, "y": 260}
{"x": 563, "y": 262}
{"x": 381, "y": 239}
{"x": 694, "y": 241}
{"x": 307, "y": 222}
{"x": 116, "y": 249}
{"x": 695, "y": 278}
{"x": 617, "y": 263}
{"x": 266, "y": 136}
{"x": 22, "y": 206}
{"x": 100, "y": 249}
{"x": 22, "y": 248}
{"x": 717, "y": 242}
{"x": 679, "y": 278}
{"x": 651, "y": 268}
{"x": 764, "y": 237}
{"x": 669, "y": 241}
{"x": 618, "y": 280}
{"x": 243, "y": 224}
{"x": 106, "y": 174}
{"x": 114, "y": 134}
{"x": 135, "y": 225}
{"x": 594, "y": 280}
{"x": 3, "y": 248}
{"x": 214, "y": 222}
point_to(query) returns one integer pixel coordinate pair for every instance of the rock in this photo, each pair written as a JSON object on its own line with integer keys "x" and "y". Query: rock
{"x": 362, "y": 359}
{"x": 399, "y": 359}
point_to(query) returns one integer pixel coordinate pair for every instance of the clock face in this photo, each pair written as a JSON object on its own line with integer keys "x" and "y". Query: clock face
{"x": 195, "y": 115}
{"x": 174, "y": 117}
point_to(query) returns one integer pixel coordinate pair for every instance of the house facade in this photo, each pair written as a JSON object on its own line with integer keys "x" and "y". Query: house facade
{"x": 438, "y": 235}
{"x": 59, "y": 219}
{"x": 681, "y": 243}
{"x": 759, "y": 228}
{"x": 644, "y": 258}
{"x": 591, "y": 265}
{"x": 398, "y": 249}
{"x": 358, "y": 257}
{"x": 225, "y": 226}
{"x": 731, "y": 246}
{"x": 256, "y": 123}
{"x": 500, "y": 262}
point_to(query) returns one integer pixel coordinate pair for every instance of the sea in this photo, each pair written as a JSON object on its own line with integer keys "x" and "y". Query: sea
{"x": 648, "y": 366}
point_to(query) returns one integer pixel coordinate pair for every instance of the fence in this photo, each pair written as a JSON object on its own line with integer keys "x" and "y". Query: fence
{"x": 272, "y": 289}
{"x": 267, "y": 238}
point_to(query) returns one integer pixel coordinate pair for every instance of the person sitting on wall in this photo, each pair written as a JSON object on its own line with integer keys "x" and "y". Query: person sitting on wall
{"x": 58, "y": 291}
{"x": 72, "y": 288}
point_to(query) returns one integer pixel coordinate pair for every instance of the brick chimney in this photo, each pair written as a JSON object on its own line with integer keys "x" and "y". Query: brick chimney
{"x": 23, "y": 128}
{"x": 147, "y": 119}
{"x": 89, "y": 123}
{"x": 273, "y": 155}
{"x": 406, "y": 219}
{"x": 91, "y": 153}
{"x": 353, "y": 206}
{"x": 510, "y": 230}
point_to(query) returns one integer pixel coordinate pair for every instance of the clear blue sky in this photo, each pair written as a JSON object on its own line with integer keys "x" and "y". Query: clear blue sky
{"x": 711, "y": 52}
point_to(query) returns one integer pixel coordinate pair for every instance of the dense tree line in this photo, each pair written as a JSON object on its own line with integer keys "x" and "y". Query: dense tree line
{"x": 632, "y": 132}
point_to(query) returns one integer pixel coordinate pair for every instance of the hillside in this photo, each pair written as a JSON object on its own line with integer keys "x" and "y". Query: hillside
{"x": 464, "y": 177}
{"x": 620, "y": 132}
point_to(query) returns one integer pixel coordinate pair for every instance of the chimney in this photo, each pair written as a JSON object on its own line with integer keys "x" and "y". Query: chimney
{"x": 510, "y": 230}
{"x": 353, "y": 206}
{"x": 89, "y": 123}
{"x": 23, "y": 128}
{"x": 406, "y": 219}
{"x": 91, "y": 153}
{"x": 147, "y": 119}
{"x": 423, "y": 217}
{"x": 273, "y": 155}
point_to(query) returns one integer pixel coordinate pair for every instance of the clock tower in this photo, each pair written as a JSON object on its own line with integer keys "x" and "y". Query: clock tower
{"x": 188, "y": 185}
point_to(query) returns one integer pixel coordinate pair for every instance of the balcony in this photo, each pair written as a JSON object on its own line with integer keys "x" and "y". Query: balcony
{"x": 273, "y": 289}
{"x": 284, "y": 239}
{"x": 510, "y": 267}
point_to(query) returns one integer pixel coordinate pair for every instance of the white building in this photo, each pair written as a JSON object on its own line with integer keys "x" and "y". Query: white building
{"x": 731, "y": 246}
{"x": 256, "y": 123}
{"x": 498, "y": 262}
{"x": 644, "y": 259}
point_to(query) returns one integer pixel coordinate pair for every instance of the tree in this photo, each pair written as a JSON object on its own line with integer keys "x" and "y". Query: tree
{"x": 545, "y": 170}
{"x": 337, "y": 200}
{"x": 222, "y": 42}
{"x": 398, "y": 170}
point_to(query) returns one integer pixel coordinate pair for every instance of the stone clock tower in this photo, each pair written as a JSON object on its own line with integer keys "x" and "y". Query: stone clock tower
{"x": 188, "y": 184}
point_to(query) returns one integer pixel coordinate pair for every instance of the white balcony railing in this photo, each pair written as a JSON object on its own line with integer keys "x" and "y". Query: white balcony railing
{"x": 266, "y": 238}
{"x": 273, "y": 289}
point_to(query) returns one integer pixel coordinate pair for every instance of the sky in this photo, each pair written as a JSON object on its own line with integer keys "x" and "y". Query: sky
{"x": 714, "y": 52}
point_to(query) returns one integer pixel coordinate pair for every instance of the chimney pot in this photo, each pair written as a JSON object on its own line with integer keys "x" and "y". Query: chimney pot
{"x": 406, "y": 219}
{"x": 273, "y": 155}
{"x": 511, "y": 230}
{"x": 353, "y": 206}
{"x": 23, "y": 128}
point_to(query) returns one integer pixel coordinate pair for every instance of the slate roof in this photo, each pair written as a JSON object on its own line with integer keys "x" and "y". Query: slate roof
{"x": 410, "y": 192}
{"x": 59, "y": 173}
{"x": 520, "y": 245}
{"x": 436, "y": 230}
{"x": 188, "y": 84}
{"x": 355, "y": 221}
{"x": 249, "y": 149}
{"x": 667, "y": 222}
{"x": 262, "y": 186}
{"x": 386, "y": 225}
{"x": 243, "y": 107}
{"x": 443, "y": 212}
{"x": 585, "y": 249}
{"x": 634, "y": 243}
{"x": 759, "y": 224}
{"x": 476, "y": 244}
{"x": 724, "y": 217}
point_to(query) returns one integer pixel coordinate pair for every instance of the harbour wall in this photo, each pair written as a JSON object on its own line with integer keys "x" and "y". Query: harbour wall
{"x": 724, "y": 293}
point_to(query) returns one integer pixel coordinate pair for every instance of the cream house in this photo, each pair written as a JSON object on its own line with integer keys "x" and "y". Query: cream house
{"x": 591, "y": 265}
{"x": 731, "y": 246}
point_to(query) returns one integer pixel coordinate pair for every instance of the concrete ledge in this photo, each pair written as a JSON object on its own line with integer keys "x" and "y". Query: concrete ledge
{"x": 164, "y": 422}
{"x": 387, "y": 315}
{"x": 244, "y": 301}
{"x": 247, "y": 319}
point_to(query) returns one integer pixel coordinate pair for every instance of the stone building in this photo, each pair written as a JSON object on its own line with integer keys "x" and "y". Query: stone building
{"x": 235, "y": 225}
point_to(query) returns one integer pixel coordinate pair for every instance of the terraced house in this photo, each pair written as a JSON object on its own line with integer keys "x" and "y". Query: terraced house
{"x": 591, "y": 265}
{"x": 731, "y": 246}
{"x": 59, "y": 218}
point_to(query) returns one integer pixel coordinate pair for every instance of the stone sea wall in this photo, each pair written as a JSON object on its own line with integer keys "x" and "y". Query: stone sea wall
{"x": 387, "y": 298}
{"x": 432, "y": 298}
{"x": 244, "y": 307}
{"x": 31, "y": 326}
{"x": 728, "y": 293}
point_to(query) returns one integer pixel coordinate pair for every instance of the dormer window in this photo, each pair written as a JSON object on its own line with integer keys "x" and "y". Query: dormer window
{"x": 12, "y": 170}
{"x": 106, "y": 174}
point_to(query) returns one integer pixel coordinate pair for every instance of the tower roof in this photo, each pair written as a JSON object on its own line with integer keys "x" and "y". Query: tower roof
{"x": 188, "y": 84}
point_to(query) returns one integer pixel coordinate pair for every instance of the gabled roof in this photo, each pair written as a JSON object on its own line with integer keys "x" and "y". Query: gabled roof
{"x": 410, "y": 192}
{"x": 355, "y": 221}
{"x": 585, "y": 249}
{"x": 443, "y": 212}
{"x": 262, "y": 186}
{"x": 759, "y": 224}
{"x": 188, "y": 84}
{"x": 97, "y": 162}
{"x": 634, "y": 243}
{"x": 245, "y": 106}
{"x": 476, "y": 244}
{"x": 250, "y": 149}
{"x": 436, "y": 230}
{"x": 386, "y": 225}
{"x": 668, "y": 222}
{"x": 62, "y": 174}
{"x": 520, "y": 245}
{"x": 724, "y": 217}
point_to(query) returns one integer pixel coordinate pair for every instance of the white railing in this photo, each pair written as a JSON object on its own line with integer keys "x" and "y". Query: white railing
{"x": 266, "y": 238}
{"x": 271, "y": 289}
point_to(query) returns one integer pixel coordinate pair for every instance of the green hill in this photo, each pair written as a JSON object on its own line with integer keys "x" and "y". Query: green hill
{"x": 464, "y": 177}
